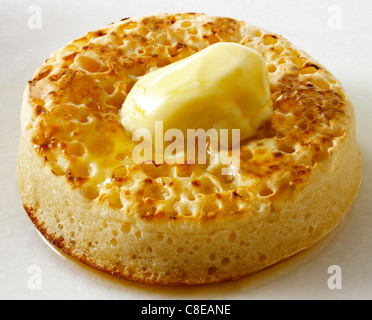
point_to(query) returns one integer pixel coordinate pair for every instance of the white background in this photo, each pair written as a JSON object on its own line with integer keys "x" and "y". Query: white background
{"x": 346, "y": 52}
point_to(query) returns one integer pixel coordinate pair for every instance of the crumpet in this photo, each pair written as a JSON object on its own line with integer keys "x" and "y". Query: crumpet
{"x": 182, "y": 224}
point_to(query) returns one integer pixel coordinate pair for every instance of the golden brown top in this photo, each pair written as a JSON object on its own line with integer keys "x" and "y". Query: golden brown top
{"x": 77, "y": 94}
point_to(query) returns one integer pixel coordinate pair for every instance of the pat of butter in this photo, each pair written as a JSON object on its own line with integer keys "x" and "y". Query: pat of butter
{"x": 224, "y": 86}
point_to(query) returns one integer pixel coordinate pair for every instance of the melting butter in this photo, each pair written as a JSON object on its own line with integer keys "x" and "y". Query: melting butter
{"x": 224, "y": 86}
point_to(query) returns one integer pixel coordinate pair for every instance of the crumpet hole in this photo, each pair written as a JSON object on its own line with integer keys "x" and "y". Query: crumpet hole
{"x": 246, "y": 155}
{"x": 120, "y": 172}
{"x": 56, "y": 169}
{"x": 114, "y": 199}
{"x": 321, "y": 84}
{"x": 125, "y": 228}
{"x": 269, "y": 40}
{"x": 310, "y": 115}
{"x": 299, "y": 61}
{"x": 129, "y": 26}
{"x": 309, "y": 70}
{"x": 91, "y": 65}
{"x": 271, "y": 68}
{"x": 212, "y": 270}
{"x": 303, "y": 125}
{"x": 186, "y": 24}
{"x": 266, "y": 191}
{"x": 90, "y": 192}
{"x": 258, "y": 34}
{"x": 278, "y": 50}
{"x": 287, "y": 148}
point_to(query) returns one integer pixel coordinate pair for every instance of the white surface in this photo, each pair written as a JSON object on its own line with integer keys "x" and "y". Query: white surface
{"x": 345, "y": 52}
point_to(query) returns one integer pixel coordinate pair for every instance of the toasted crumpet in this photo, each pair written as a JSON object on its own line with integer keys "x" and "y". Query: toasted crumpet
{"x": 182, "y": 224}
